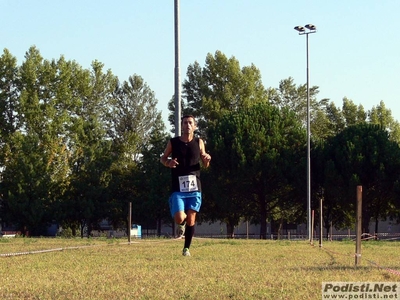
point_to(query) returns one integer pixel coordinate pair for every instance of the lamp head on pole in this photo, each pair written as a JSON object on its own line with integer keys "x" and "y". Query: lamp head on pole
{"x": 302, "y": 29}
{"x": 299, "y": 28}
{"x": 311, "y": 27}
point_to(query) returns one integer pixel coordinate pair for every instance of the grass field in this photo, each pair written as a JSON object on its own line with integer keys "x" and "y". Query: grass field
{"x": 155, "y": 269}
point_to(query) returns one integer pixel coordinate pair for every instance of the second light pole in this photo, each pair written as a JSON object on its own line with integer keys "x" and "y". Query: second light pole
{"x": 307, "y": 29}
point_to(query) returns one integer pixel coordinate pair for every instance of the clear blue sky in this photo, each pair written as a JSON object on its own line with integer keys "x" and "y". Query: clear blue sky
{"x": 355, "y": 52}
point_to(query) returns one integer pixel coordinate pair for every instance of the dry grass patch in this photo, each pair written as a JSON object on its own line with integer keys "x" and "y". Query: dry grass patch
{"x": 155, "y": 269}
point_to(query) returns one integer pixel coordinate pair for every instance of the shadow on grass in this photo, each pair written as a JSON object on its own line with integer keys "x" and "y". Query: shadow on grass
{"x": 338, "y": 268}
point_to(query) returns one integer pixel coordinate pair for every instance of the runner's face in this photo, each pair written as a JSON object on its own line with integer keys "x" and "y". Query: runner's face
{"x": 188, "y": 125}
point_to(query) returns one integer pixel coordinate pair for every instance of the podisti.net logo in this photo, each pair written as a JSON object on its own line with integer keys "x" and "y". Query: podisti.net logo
{"x": 360, "y": 290}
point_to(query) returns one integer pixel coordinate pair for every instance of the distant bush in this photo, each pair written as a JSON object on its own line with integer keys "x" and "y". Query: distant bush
{"x": 65, "y": 233}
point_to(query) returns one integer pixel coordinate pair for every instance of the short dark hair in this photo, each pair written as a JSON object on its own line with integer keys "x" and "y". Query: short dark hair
{"x": 188, "y": 116}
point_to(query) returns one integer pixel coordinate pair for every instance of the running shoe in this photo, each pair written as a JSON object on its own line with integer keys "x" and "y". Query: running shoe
{"x": 181, "y": 230}
{"x": 185, "y": 252}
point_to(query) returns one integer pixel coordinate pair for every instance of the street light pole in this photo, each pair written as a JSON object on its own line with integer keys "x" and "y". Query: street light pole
{"x": 177, "y": 100}
{"x": 310, "y": 29}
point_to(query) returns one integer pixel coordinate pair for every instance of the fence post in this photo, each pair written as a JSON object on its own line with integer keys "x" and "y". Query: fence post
{"x": 358, "y": 225}
{"x": 129, "y": 222}
{"x": 312, "y": 228}
{"x": 320, "y": 222}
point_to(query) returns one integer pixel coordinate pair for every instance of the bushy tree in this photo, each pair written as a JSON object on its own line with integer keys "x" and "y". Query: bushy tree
{"x": 256, "y": 153}
{"x": 154, "y": 182}
{"x": 67, "y": 134}
{"x": 360, "y": 155}
{"x": 220, "y": 86}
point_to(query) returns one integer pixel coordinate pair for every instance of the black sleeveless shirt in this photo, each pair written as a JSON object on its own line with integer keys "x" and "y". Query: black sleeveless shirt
{"x": 188, "y": 155}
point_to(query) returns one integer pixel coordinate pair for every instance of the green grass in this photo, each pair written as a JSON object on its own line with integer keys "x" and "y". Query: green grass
{"x": 155, "y": 269}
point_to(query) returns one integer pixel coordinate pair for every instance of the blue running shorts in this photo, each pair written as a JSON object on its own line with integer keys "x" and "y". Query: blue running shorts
{"x": 184, "y": 201}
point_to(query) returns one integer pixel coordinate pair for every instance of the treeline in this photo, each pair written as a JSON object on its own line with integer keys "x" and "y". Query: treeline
{"x": 78, "y": 145}
{"x": 74, "y": 143}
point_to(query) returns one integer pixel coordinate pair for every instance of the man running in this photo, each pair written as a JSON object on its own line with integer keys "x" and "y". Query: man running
{"x": 183, "y": 155}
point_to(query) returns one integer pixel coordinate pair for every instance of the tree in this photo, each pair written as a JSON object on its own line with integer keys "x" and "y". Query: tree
{"x": 91, "y": 152}
{"x": 383, "y": 117}
{"x": 294, "y": 98}
{"x": 9, "y": 93}
{"x": 154, "y": 180}
{"x": 30, "y": 184}
{"x": 360, "y": 155}
{"x": 35, "y": 136}
{"x": 220, "y": 86}
{"x": 131, "y": 117}
{"x": 132, "y": 121}
{"x": 255, "y": 151}
{"x": 84, "y": 131}
{"x": 352, "y": 113}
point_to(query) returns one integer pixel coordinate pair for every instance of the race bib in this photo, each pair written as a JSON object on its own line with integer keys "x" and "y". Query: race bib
{"x": 188, "y": 183}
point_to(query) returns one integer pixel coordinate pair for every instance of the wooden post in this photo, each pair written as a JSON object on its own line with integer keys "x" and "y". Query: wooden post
{"x": 320, "y": 222}
{"x": 129, "y": 222}
{"x": 358, "y": 225}
{"x": 312, "y": 228}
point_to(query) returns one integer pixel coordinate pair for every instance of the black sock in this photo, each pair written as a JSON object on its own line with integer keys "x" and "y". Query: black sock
{"x": 189, "y": 232}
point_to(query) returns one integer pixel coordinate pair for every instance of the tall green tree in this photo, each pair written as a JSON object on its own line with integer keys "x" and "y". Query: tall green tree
{"x": 360, "y": 155}
{"x": 9, "y": 93}
{"x": 330, "y": 119}
{"x": 131, "y": 122}
{"x": 91, "y": 151}
{"x": 154, "y": 181}
{"x": 352, "y": 113}
{"x": 133, "y": 112}
{"x": 85, "y": 131}
{"x": 382, "y": 116}
{"x": 294, "y": 98}
{"x": 220, "y": 86}
{"x": 30, "y": 184}
{"x": 256, "y": 150}
{"x": 36, "y": 138}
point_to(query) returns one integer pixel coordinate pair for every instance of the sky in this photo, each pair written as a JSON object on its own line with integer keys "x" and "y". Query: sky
{"x": 355, "y": 52}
